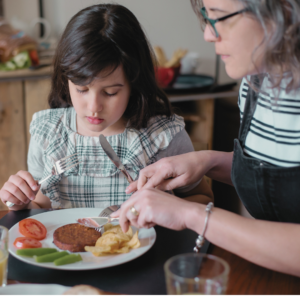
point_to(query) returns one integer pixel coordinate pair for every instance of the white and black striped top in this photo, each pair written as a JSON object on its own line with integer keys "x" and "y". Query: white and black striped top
{"x": 274, "y": 134}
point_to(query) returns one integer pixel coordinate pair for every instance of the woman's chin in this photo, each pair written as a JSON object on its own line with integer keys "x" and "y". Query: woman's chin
{"x": 234, "y": 73}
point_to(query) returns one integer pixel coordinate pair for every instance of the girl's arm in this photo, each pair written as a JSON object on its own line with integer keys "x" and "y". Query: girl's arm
{"x": 40, "y": 201}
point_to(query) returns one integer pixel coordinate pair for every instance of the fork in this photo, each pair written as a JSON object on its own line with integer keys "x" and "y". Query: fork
{"x": 58, "y": 168}
{"x": 108, "y": 210}
{"x": 109, "y": 220}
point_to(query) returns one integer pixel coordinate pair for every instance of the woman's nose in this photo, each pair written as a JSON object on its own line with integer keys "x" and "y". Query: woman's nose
{"x": 209, "y": 35}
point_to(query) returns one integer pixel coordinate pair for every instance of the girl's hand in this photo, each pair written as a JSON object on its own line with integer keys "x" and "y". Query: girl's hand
{"x": 154, "y": 207}
{"x": 172, "y": 172}
{"x": 19, "y": 189}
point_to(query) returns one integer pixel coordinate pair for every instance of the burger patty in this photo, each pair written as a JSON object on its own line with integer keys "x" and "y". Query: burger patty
{"x": 74, "y": 237}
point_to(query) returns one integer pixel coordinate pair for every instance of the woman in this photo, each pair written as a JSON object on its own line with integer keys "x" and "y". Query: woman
{"x": 258, "y": 41}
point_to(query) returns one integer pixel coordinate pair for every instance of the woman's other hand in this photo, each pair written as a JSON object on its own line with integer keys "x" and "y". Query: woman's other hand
{"x": 20, "y": 189}
{"x": 181, "y": 170}
{"x": 171, "y": 172}
{"x": 154, "y": 207}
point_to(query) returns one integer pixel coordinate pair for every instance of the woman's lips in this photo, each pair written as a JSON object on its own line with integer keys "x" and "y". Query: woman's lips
{"x": 224, "y": 57}
{"x": 94, "y": 121}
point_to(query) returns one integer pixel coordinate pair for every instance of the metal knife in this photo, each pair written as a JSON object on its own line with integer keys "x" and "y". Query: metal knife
{"x": 113, "y": 157}
{"x": 96, "y": 222}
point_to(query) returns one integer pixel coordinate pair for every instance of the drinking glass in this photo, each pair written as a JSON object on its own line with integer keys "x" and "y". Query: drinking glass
{"x": 196, "y": 273}
{"x": 3, "y": 255}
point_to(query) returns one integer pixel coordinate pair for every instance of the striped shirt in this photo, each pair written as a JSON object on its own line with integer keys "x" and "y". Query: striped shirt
{"x": 274, "y": 134}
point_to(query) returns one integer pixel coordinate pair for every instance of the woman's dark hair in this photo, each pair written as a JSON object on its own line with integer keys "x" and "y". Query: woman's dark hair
{"x": 280, "y": 20}
{"x": 103, "y": 37}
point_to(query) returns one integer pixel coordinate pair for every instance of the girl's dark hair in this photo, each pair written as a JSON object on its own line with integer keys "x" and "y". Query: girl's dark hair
{"x": 280, "y": 20}
{"x": 103, "y": 37}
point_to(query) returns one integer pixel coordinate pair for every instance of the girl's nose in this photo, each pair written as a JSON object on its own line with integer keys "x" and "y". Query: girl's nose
{"x": 95, "y": 104}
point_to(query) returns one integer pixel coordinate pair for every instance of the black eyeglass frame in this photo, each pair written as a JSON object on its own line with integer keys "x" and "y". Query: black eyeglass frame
{"x": 212, "y": 22}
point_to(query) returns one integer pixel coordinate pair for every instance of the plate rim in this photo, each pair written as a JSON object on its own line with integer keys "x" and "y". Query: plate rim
{"x": 32, "y": 286}
{"x": 73, "y": 267}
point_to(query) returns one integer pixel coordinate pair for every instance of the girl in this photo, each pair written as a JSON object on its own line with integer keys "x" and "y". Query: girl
{"x": 103, "y": 83}
{"x": 260, "y": 38}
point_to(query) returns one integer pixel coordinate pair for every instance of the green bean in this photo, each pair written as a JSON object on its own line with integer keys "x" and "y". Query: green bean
{"x": 30, "y": 252}
{"x": 68, "y": 259}
{"x": 50, "y": 257}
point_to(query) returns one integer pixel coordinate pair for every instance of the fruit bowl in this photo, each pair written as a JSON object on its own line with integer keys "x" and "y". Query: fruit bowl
{"x": 165, "y": 77}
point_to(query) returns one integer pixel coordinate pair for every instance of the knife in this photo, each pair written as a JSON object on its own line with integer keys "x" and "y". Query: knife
{"x": 113, "y": 157}
{"x": 96, "y": 222}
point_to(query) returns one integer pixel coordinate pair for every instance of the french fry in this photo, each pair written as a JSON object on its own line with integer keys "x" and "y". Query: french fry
{"x": 115, "y": 241}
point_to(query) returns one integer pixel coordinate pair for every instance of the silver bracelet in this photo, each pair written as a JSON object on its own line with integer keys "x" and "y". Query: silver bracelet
{"x": 200, "y": 239}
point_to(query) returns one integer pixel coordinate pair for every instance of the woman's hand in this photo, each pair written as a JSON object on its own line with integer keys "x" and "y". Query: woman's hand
{"x": 172, "y": 172}
{"x": 181, "y": 170}
{"x": 154, "y": 207}
{"x": 19, "y": 189}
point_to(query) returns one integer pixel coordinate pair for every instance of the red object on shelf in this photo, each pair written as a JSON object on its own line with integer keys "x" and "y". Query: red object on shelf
{"x": 34, "y": 57}
{"x": 166, "y": 76}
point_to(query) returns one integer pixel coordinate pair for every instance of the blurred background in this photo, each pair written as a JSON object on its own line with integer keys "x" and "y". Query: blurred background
{"x": 170, "y": 24}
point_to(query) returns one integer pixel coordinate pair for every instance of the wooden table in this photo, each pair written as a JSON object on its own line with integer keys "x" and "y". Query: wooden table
{"x": 247, "y": 278}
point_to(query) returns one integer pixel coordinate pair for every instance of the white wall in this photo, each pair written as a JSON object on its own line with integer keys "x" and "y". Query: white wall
{"x": 20, "y": 12}
{"x": 170, "y": 24}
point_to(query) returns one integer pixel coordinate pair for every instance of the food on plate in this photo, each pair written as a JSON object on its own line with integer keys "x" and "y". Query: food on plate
{"x": 50, "y": 257}
{"x": 68, "y": 259}
{"x": 25, "y": 242}
{"x": 171, "y": 63}
{"x": 114, "y": 241}
{"x": 59, "y": 258}
{"x": 83, "y": 289}
{"x": 30, "y": 252}
{"x": 74, "y": 237}
{"x": 32, "y": 228}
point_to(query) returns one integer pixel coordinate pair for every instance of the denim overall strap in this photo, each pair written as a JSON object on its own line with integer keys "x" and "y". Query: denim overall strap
{"x": 250, "y": 106}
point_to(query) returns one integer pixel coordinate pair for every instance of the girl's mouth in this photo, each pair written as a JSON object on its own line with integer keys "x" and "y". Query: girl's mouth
{"x": 95, "y": 121}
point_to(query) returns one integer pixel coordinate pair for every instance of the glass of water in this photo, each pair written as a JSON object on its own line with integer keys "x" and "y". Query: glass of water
{"x": 3, "y": 255}
{"x": 196, "y": 274}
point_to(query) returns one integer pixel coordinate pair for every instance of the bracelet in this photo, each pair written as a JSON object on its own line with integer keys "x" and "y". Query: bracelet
{"x": 200, "y": 239}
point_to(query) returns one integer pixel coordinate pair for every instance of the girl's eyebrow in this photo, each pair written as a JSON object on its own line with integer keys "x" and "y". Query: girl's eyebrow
{"x": 116, "y": 84}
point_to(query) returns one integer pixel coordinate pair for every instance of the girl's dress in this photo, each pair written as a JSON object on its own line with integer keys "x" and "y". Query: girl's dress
{"x": 96, "y": 182}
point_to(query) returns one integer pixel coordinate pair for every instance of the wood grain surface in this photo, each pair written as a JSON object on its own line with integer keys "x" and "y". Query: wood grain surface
{"x": 247, "y": 278}
{"x": 13, "y": 149}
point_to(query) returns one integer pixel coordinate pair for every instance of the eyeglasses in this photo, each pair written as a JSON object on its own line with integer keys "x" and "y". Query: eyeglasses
{"x": 212, "y": 22}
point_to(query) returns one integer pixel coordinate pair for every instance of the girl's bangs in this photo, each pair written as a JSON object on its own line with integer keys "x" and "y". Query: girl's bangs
{"x": 82, "y": 70}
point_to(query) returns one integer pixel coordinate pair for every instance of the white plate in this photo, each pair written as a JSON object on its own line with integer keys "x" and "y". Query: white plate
{"x": 57, "y": 218}
{"x": 33, "y": 289}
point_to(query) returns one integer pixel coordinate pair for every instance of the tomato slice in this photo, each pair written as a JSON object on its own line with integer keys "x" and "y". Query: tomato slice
{"x": 32, "y": 228}
{"x": 25, "y": 242}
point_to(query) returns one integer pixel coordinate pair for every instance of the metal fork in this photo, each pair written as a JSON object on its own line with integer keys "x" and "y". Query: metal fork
{"x": 108, "y": 210}
{"x": 58, "y": 168}
{"x": 109, "y": 220}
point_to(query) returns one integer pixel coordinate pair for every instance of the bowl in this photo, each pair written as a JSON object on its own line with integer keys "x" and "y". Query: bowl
{"x": 166, "y": 77}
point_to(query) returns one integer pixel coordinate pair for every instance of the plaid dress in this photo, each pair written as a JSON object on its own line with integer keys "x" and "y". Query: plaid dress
{"x": 96, "y": 182}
